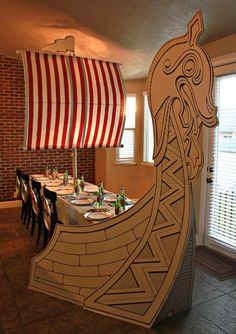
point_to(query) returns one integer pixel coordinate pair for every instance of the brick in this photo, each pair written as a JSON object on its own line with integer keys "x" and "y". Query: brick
{"x": 113, "y": 243}
{"x": 66, "y": 292}
{"x": 83, "y": 237}
{"x": 104, "y": 257}
{"x": 85, "y": 282}
{"x": 69, "y": 248}
{"x": 48, "y": 275}
{"x": 123, "y": 227}
{"x": 12, "y": 106}
{"x": 63, "y": 258}
{"x": 75, "y": 270}
{"x": 110, "y": 268}
{"x": 45, "y": 264}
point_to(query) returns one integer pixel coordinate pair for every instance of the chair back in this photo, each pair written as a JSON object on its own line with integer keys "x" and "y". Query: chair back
{"x": 18, "y": 182}
{"x": 34, "y": 201}
{"x": 50, "y": 209}
{"x": 36, "y": 186}
{"x": 47, "y": 215}
{"x": 24, "y": 187}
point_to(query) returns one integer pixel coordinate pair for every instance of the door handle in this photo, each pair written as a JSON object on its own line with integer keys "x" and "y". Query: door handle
{"x": 209, "y": 180}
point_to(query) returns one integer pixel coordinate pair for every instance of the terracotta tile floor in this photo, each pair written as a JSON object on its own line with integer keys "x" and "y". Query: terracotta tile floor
{"x": 26, "y": 311}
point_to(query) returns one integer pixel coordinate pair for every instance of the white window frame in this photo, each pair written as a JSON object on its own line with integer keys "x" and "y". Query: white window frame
{"x": 222, "y": 65}
{"x": 146, "y": 134}
{"x": 130, "y": 160}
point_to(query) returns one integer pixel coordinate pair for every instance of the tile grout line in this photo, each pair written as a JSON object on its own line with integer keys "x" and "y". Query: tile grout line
{"x": 21, "y": 320}
{"x": 13, "y": 297}
{"x": 210, "y": 321}
{"x": 206, "y": 301}
{"x": 15, "y": 302}
{"x": 220, "y": 289}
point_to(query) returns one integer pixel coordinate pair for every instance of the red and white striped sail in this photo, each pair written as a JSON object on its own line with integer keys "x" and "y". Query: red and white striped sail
{"x": 72, "y": 102}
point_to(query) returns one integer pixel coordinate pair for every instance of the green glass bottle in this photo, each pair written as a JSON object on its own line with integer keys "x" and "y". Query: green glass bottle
{"x": 76, "y": 187}
{"x": 101, "y": 186}
{"x": 117, "y": 205}
{"x": 102, "y": 189}
{"x": 122, "y": 197}
{"x": 99, "y": 196}
{"x": 55, "y": 169}
{"x": 46, "y": 170}
{"x": 65, "y": 178}
{"x": 82, "y": 183}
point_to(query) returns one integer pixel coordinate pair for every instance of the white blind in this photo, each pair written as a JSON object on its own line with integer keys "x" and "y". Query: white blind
{"x": 127, "y": 152}
{"x": 222, "y": 215}
{"x": 148, "y": 133}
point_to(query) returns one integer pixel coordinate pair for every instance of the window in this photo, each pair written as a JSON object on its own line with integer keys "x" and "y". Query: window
{"x": 222, "y": 213}
{"x": 127, "y": 152}
{"x": 148, "y": 133}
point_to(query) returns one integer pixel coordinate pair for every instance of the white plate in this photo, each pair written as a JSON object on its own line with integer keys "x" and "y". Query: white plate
{"x": 37, "y": 175}
{"x": 98, "y": 215}
{"x": 41, "y": 179}
{"x": 110, "y": 199}
{"x": 64, "y": 191}
{"x": 83, "y": 201}
{"x": 91, "y": 189}
{"x": 61, "y": 177}
{"x": 53, "y": 183}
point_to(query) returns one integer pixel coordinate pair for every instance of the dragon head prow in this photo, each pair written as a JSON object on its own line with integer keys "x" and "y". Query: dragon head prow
{"x": 180, "y": 82}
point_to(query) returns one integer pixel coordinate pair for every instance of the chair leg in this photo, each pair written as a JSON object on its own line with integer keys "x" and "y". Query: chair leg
{"x": 22, "y": 210}
{"x": 28, "y": 218}
{"x": 25, "y": 213}
{"x": 29, "y": 212}
{"x": 33, "y": 223}
{"x": 45, "y": 239}
{"x": 39, "y": 229}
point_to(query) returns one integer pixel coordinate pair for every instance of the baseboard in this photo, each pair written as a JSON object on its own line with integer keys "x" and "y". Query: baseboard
{"x": 10, "y": 204}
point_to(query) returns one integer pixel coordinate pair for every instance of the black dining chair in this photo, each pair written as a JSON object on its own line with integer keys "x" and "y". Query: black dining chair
{"x": 18, "y": 190}
{"x": 50, "y": 217}
{"x": 18, "y": 183}
{"x": 26, "y": 203}
{"x": 36, "y": 207}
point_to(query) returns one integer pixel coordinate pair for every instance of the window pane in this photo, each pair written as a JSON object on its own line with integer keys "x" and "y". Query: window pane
{"x": 227, "y": 97}
{"x": 130, "y": 111}
{"x": 222, "y": 212}
{"x": 148, "y": 143}
{"x": 127, "y": 152}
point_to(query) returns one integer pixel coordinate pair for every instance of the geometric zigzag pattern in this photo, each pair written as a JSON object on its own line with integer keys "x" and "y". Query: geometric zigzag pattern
{"x": 126, "y": 267}
{"x": 143, "y": 279}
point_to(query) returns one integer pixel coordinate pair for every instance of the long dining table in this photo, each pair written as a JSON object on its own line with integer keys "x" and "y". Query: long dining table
{"x": 82, "y": 208}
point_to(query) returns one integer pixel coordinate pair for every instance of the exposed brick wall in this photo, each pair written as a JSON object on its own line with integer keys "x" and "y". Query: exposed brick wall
{"x": 12, "y": 156}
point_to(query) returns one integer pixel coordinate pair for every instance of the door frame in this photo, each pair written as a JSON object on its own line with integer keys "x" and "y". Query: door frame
{"x": 223, "y": 65}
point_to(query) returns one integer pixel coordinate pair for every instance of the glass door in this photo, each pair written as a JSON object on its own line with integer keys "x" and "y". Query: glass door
{"x": 220, "y": 231}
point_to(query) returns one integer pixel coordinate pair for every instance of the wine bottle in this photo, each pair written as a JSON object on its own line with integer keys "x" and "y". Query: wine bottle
{"x": 65, "y": 178}
{"x": 99, "y": 196}
{"x": 76, "y": 187}
{"x": 122, "y": 197}
{"x": 102, "y": 189}
{"x": 117, "y": 205}
{"x": 82, "y": 183}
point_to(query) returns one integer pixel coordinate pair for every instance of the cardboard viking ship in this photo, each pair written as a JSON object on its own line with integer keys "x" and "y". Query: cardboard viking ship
{"x": 138, "y": 266}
